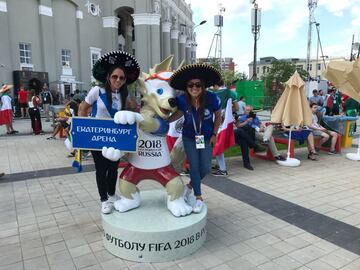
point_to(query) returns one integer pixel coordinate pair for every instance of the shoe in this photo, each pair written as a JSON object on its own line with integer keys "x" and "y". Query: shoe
{"x": 265, "y": 141}
{"x": 280, "y": 157}
{"x": 198, "y": 206}
{"x": 312, "y": 157}
{"x": 14, "y": 132}
{"x": 106, "y": 207}
{"x": 185, "y": 173}
{"x": 220, "y": 173}
{"x": 249, "y": 167}
{"x": 42, "y": 132}
{"x": 215, "y": 167}
{"x": 2, "y": 174}
{"x": 332, "y": 152}
{"x": 51, "y": 138}
{"x": 113, "y": 198}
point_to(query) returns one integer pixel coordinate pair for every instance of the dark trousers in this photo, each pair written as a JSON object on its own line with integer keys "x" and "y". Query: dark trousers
{"x": 244, "y": 140}
{"x": 35, "y": 115}
{"x": 106, "y": 175}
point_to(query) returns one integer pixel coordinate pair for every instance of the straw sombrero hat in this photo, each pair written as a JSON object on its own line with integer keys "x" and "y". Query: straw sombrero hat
{"x": 204, "y": 72}
{"x": 117, "y": 58}
{"x": 5, "y": 87}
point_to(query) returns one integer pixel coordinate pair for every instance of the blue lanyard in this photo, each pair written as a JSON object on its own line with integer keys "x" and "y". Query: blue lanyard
{"x": 194, "y": 124}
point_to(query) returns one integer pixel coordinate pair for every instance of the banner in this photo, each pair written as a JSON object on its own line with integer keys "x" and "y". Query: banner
{"x": 94, "y": 134}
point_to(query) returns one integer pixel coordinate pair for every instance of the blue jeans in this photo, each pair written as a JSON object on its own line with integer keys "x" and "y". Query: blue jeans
{"x": 200, "y": 162}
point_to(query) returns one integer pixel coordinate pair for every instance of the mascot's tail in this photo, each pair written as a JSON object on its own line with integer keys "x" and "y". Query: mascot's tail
{"x": 177, "y": 155}
{"x": 77, "y": 161}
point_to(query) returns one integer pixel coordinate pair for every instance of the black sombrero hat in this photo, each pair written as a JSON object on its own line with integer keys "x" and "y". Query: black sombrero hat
{"x": 204, "y": 72}
{"x": 117, "y": 58}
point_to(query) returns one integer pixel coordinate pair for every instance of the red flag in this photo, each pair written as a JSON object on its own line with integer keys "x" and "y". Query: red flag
{"x": 225, "y": 137}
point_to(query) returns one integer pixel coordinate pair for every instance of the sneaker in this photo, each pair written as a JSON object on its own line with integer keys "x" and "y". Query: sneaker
{"x": 215, "y": 167}
{"x": 51, "y": 138}
{"x": 185, "y": 173}
{"x": 198, "y": 206}
{"x": 332, "y": 152}
{"x": 106, "y": 207}
{"x": 113, "y": 198}
{"x": 280, "y": 157}
{"x": 220, "y": 173}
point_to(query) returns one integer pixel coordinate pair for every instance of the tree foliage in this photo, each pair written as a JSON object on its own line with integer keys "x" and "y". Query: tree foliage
{"x": 279, "y": 73}
{"x": 229, "y": 77}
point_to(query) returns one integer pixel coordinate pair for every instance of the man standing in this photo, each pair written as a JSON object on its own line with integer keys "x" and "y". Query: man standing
{"x": 23, "y": 101}
{"x": 315, "y": 98}
{"x": 47, "y": 100}
{"x": 224, "y": 95}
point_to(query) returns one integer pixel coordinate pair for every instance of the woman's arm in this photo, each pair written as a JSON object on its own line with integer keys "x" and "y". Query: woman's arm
{"x": 175, "y": 116}
{"x": 83, "y": 109}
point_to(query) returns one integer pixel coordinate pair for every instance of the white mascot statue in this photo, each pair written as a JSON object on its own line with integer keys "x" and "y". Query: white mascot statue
{"x": 152, "y": 159}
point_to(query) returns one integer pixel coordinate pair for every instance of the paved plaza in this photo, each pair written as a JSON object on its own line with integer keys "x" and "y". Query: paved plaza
{"x": 272, "y": 218}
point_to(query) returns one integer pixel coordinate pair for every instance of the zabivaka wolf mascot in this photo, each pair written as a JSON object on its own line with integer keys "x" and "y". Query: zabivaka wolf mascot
{"x": 152, "y": 159}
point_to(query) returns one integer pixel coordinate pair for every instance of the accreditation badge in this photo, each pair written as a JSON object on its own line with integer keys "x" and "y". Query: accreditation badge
{"x": 200, "y": 141}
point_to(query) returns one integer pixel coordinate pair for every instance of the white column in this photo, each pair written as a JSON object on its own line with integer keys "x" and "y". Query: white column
{"x": 166, "y": 51}
{"x": 175, "y": 47}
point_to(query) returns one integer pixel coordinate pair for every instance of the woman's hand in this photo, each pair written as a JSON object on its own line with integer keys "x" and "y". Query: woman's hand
{"x": 212, "y": 140}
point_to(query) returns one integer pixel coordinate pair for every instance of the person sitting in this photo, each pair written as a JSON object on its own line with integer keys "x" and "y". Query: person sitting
{"x": 319, "y": 130}
{"x": 301, "y": 134}
{"x": 71, "y": 109}
{"x": 262, "y": 133}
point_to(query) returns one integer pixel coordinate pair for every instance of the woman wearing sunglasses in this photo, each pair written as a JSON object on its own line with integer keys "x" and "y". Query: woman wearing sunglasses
{"x": 115, "y": 70}
{"x": 202, "y": 117}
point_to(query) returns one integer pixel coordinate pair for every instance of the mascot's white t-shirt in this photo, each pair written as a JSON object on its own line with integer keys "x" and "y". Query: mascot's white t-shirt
{"x": 152, "y": 152}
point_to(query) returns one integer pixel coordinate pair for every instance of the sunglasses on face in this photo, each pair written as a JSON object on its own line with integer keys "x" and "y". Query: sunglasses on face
{"x": 116, "y": 77}
{"x": 191, "y": 85}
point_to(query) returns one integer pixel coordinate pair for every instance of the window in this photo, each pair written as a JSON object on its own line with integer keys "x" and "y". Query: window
{"x": 65, "y": 58}
{"x": 310, "y": 67}
{"x": 25, "y": 53}
{"x": 95, "y": 54}
{"x": 319, "y": 66}
{"x": 94, "y": 58}
{"x": 257, "y": 70}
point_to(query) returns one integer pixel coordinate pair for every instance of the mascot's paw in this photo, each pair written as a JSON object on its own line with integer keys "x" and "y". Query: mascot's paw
{"x": 112, "y": 153}
{"x": 125, "y": 204}
{"x": 189, "y": 196}
{"x": 179, "y": 207}
{"x": 127, "y": 117}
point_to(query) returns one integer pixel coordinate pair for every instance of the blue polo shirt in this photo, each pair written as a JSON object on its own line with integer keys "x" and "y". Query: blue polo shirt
{"x": 253, "y": 123}
{"x": 212, "y": 104}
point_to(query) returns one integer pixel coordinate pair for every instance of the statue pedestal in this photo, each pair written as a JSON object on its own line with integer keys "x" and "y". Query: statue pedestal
{"x": 151, "y": 233}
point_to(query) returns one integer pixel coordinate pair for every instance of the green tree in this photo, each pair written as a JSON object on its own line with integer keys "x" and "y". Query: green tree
{"x": 230, "y": 76}
{"x": 279, "y": 73}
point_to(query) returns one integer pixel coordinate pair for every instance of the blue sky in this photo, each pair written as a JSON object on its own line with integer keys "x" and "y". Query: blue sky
{"x": 284, "y": 28}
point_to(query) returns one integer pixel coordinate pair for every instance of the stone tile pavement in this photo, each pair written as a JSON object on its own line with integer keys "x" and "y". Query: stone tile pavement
{"x": 55, "y": 223}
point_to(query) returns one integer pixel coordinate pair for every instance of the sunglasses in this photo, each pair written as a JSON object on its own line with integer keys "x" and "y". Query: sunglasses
{"x": 116, "y": 77}
{"x": 191, "y": 85}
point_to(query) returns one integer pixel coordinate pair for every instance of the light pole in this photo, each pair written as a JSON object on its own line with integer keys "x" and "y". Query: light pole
{"x": 255, "y": 29}
{"x": 312, "y": 4}
{"x": 193, "y": 41}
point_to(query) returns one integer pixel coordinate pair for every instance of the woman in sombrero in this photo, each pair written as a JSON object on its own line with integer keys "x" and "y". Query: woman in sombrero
{"x": 6, "y": 113}
{"x": 202, "y": 117}
{"x": 115, "y": 70}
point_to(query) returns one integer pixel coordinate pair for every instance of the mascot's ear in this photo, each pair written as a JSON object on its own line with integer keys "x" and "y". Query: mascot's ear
{"x": 165, "y": 65}
{"x": 141, "y": 83}
{"x": 181, "y": 64}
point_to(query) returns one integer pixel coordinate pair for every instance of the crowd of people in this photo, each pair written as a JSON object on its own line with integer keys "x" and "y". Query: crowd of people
{"x": 201, "y": 103}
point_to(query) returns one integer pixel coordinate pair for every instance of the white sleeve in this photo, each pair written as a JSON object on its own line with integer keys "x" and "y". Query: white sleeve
{"x": 93, "y": 95}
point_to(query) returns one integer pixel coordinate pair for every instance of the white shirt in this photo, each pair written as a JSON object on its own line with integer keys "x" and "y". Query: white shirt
{"x": 102, "y": 112}
{"x": 242, "y": 105}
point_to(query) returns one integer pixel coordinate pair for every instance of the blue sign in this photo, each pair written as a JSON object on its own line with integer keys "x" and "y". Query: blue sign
{"x": 94, "y": 134}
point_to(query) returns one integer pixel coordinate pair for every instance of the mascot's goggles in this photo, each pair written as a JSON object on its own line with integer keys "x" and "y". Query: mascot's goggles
{"x": 163, "y": 75}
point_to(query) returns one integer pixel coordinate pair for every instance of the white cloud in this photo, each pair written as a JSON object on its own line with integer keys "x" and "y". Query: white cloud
{"x": 337, "y": 7}
{"x": 209, "y": 8}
